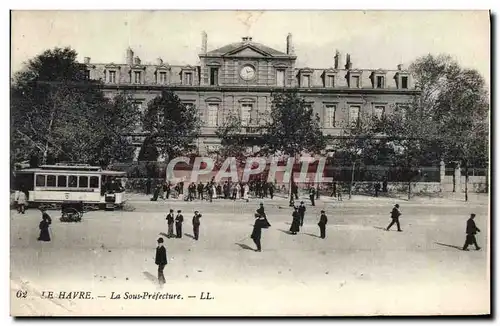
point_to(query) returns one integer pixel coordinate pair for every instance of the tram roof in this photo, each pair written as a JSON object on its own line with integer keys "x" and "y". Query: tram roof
{"x": 59, "y": 169}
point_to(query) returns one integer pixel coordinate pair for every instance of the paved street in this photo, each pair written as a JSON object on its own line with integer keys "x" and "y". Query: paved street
{"x": 358, "y": 269}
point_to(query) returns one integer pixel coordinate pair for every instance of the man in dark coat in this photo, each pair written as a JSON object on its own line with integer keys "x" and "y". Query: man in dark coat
{"x": 323, "y": 220}
{"x": 395, "y": 214}
{"x": 260, "y": 223}
{"x": 377, "y": 188}
{"x": 170, "y": 223}
{"x": 271, "y": 190}
{"x": 471, "y": 231}
{"x": 312, "y": 195}
{"x": 260, "y": 210}
{"x": 200, "y": 190}
{"x": 167, "y": 190}
{"x": 161, "y": 260}
{"x": 196, "y": 224}
{"x": 302, "y": 212}
{"x": 178, "y": 224}
{"x": 295, "y": 227}
{"x": 44, "y": 226}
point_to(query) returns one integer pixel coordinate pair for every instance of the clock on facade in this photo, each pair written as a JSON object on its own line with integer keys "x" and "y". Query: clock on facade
{"x": 247, "y": 73}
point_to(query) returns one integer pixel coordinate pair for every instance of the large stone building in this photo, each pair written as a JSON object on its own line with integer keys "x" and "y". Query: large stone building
{"x": 240, "y": 77}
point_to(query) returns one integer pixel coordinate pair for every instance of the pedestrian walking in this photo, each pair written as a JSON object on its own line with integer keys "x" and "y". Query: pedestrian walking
{"x": 260, "y": 223}
{"x": 302, "y": 212}
{"x": 295, "y": 227}
{"x": 21, "y": 202}
{"x": 471, "y": 231}
{"x": 161, "y": 260}
{"x": 179, "y": 219}
{"x": 200, "y": 190}
{"x": 246, "y": 190}
{"x": 44, "y": 226}
{"x": 271, "y": 190}
{"x": 196, "y": 224}
{"x": 395, "y": 214}
{"x": 312, "y": 195}
{"x": 170, "y": 224}
{"x": 260, "y": 210}
{"x": 377, "y": 188}
{"x": 323, "y": 220}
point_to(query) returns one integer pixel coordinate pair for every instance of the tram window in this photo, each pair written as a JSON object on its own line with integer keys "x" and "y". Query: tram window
{"x": 51, "y": 181}
{"x": 62, "y": 181}
{"x": 72, "y": 181}
{"x": 94, "y": 182}
{"x": 40, "y": 180}
{"x": 83, "y": 182}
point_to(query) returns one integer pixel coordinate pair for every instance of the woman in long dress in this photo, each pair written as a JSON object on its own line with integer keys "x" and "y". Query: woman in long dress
{"x": 238, "y": 191}
{"x": 44, "y": 226}
{"x": 295, "y": 227}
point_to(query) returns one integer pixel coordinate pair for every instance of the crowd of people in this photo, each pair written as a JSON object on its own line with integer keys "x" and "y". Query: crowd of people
{"x": 215, "y": 190}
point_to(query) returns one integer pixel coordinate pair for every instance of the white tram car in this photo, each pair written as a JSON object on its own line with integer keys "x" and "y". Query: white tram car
{"x": 63, "y": 183}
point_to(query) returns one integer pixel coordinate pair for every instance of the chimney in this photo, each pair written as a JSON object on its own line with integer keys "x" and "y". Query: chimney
{"x": 86, "y": 60}
{"x": 159, "y": 62}
{"x": 289, "y": 44}
{"x": 137, "y": 61}
{"x": 400, "y": 66}
{"x": 130, "y": 56}
{"x": 246, "y": 39}
{"x": 338, "y": 59}
{"x": 348, "y": 63}
{"x": 203, "y": 42}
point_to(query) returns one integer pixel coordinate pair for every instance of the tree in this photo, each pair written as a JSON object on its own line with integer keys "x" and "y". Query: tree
{"x": 293, "y": 128}
{"x": 172, "y": 126}
{"x": 410, "y": 131}
{"x": 356, "y": 143}
{"x": 457, "y": 100}
{"x": 58, "y": 114}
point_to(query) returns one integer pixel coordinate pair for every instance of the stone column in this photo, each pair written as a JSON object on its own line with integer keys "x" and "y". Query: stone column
{"x": 458, "y": 177}
{"x": 442, "y": 169}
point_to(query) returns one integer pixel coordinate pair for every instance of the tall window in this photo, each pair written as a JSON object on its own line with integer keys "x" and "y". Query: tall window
{"x": 112, "y": 76}
{"x": 380, "y": 81}
{"x": 354, "y": 114}
{"x": 214, "y": 76}
{"x": 246, "y": 117}
{"x": 404, "y": 82}
{"x": 330, "y": 116}
{"x": 188, "y": 78}
{"x": 379, "y": 111}
{"x": 137, "y": 77}
{"x": 306, "y": 80}
{"x": 355, "y": 81}
{"x": 162, "y": 78}
{"x": 280, "y": 77}
{"x": 330, "y": 81}
{"x": 213, "y": 115}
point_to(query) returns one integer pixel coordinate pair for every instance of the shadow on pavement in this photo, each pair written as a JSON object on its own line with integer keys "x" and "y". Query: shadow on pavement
{"x": 312, "y": 235}
{"x": 448, "y": 245}
{"x": 244, "y": 246}
{"x": 379, "y": 227}
{"x": 150, "y": 277}
{"x": 284, "y": 231}
{"x": 189, "y": 235}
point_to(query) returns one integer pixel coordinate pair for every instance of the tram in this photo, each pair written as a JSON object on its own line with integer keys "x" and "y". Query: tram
{"x": 71, "y": 183}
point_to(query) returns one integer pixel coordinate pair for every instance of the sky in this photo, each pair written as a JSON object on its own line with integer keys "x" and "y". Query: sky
{"x": 375, "y": 39}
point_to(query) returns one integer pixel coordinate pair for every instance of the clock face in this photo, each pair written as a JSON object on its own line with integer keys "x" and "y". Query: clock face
{"x": 247, "y": 73}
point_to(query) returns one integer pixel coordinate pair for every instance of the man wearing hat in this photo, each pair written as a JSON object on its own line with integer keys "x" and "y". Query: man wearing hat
{"x": 178, "y": 224}
{"x": 471, "y": 231}
{"x": 302, "y": 212}
{"x": 170, "y": 223}
{"x": 295, "y": 226}
{"x": 260, "y": 210}
{"x": 323, "y": 220}
{"x": 395, "y": 214}
{"x": 196, "y": 224}
{"x": 260, "y": 223}
{"x": 161, "y": 260}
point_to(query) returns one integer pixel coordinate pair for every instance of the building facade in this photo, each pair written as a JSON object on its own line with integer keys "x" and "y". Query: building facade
{"x": 240, "y": 77}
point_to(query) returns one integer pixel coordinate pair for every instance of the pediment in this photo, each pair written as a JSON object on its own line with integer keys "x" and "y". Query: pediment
{"x": 248, "y": 51}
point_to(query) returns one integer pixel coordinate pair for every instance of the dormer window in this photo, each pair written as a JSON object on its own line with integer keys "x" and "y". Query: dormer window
{"x": 137, "y": 77}
{"x": 329, "y": 78}
{"x": 402, "y": 78}
{"x": 378, "y": 79}
{"x": 112, "y": 76}
{"x": 355, "y": 82}
{"x": 305, "y": 76}
{"x": 188, "y": 75}
{"x": 162, "y": 77}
